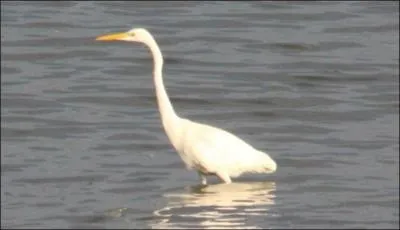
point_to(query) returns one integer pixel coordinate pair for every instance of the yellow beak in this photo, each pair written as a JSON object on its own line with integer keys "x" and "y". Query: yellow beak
{"x": 112, "y": 37}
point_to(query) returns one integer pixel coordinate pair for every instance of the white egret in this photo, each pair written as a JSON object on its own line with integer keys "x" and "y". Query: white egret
{"x": 207, "y": 149}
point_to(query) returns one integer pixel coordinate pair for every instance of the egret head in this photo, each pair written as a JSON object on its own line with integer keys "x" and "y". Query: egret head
{"x": 133, "y": 35}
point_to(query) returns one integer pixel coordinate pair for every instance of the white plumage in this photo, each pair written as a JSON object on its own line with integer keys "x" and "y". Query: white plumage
{"x": 207, "y": 149}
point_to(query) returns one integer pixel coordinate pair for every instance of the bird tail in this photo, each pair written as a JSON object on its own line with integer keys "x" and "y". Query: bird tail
{"x": 259, "y": 162}
{"x": 266, "y": 164}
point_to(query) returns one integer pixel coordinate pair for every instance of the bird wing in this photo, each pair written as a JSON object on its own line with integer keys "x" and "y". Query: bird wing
{"x": 211, "y": 149}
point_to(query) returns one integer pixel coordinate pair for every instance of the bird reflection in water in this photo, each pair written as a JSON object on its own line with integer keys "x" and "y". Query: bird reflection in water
{"x": 216, "y": 206}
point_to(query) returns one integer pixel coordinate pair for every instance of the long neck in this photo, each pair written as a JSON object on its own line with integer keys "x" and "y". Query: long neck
{"x": 169, "y": 118}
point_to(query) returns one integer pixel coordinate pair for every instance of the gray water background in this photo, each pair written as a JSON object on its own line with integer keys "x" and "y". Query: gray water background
{"x": 314, "y": 84}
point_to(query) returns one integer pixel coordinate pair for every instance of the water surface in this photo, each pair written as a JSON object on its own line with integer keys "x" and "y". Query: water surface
{"x": 314, "y": 84}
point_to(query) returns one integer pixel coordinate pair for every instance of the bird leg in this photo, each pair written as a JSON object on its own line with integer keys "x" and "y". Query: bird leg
{"x": 203, "y": 178}
{"x": 224, "y": 177}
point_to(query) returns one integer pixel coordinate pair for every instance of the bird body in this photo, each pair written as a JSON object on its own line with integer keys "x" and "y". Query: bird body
{"x": 212, "y": 149}
{"x": 207, "y": 149}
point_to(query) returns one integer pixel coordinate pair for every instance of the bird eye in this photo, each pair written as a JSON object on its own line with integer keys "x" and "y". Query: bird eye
{"x": 131, "y": 34}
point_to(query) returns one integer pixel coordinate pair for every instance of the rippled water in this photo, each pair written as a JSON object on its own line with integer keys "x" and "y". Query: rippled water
{"x": 314, "y": 84}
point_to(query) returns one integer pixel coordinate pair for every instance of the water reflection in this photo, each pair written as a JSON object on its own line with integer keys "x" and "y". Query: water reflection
{"x": 216, "y": 206}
